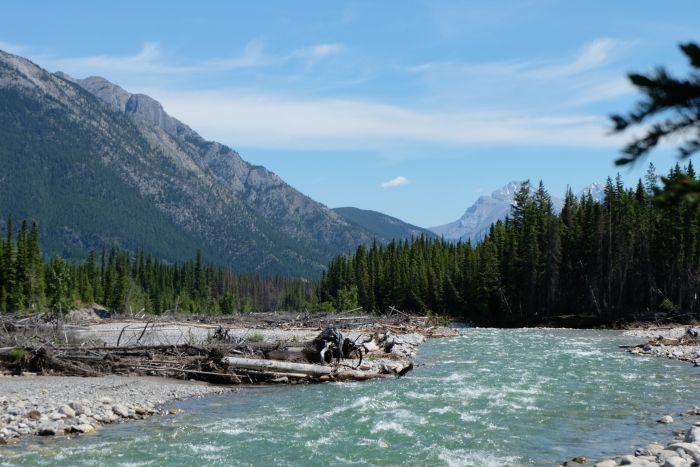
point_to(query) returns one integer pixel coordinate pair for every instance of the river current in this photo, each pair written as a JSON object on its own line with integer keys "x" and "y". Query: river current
{"x": 489, "y": 397}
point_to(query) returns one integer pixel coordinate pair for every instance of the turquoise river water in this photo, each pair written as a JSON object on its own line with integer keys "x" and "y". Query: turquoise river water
{"x": 489, "y": 397}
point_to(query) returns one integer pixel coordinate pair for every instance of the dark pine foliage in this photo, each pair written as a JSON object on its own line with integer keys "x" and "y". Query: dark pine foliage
{"x": 620, "y": 259}
{"x": 127, "y": 282}
{"x": 670, "y": 111}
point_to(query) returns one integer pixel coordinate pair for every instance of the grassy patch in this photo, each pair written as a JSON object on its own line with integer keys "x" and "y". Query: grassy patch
{"x": 255, "y": 338}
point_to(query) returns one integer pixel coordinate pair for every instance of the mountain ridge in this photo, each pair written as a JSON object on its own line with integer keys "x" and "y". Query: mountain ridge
{"x": 151, "y": 167}
{"x": 382, "y": 225}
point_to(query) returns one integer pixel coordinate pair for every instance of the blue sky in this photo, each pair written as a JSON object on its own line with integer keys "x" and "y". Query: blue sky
{"x": 412, "y": 108}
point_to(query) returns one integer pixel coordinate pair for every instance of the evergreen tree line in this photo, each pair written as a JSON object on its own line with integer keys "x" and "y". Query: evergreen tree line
{"x": 127, "y": 282}
{"x": 595, "y": 262}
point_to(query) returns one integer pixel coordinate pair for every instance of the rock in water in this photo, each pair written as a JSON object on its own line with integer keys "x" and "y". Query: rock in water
{"x": 47, "y": 430}
{"x": 83, "y": 428}
{"x": 665, "y": 419}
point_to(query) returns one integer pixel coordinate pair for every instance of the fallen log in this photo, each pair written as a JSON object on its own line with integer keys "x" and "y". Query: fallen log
{"x": 277, "y": 366}
{"x": 233, "y": 377}
{"x": 324, "y": 373}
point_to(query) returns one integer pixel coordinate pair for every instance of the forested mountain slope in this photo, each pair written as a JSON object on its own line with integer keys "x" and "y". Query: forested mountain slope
{"x": 383, "y": 226}
{"x": 97, "y": 166}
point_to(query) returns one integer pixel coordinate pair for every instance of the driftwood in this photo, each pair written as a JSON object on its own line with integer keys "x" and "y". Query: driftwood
{"x": 277, "y": 366}
{"x": 306, "y": 369}
{"x": 44, "y": 347}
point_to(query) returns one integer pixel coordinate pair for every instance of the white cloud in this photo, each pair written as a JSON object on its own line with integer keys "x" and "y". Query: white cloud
{"x": 151, "y": 60}
{"x": 606, "y": 90}
{"x": 277, "y": 121}
{"x": 592, "y": 74}
{"x": 317, "y": 52}
{"x": 591, "y": 56}
{"x": 252, "y": 116}
{"x": 394, "y": 182}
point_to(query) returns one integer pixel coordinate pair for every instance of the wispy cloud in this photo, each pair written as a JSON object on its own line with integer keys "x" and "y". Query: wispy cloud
{"x": 394, "y": 182}
{"x": 278, "y": 121}
{"x": 317, "y": 52}
{"x": 251, "y": 115}
{"x": 606, "y": 90}
{"x": 590, "y": 57}
{"x": 590, "y": 74}
{"x": 151, "y": 59}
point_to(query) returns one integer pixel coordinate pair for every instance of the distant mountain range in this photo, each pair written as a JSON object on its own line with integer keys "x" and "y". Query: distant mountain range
{"x": 98, "y": 166}
{"x": 478, "y": 218}
{"x": 382, "y": 225}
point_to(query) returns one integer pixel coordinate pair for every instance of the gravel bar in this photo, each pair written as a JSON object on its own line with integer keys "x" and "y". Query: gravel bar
{"x": 58, "y": 405}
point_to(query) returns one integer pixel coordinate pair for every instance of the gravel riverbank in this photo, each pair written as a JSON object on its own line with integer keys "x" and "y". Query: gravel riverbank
{"x": 58, "y": 405}
{"x": 662, "y": 343}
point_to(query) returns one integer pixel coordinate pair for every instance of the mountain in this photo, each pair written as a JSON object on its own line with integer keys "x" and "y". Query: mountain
{"x": 382, "y": 225}
{"x": 98, "y": 166}
{"x": 477, "y": 219}
{"x": 596, "y": 190}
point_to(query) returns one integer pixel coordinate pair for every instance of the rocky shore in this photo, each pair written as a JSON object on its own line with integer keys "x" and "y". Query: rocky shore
{"x": 63, "y": 405}
{"x": 684, "y": 451}
{"x": 678, "y": 343}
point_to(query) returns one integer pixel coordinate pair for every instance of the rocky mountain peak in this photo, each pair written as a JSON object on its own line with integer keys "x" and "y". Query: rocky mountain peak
{"x": 596, "y": 190}
{"x": 109, "y": 93}
{"x": 141, "y": 107}
{"x": 508, "y": 191}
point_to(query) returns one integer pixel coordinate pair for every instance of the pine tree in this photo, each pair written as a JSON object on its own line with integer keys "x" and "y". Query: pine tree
{"x": 57, "y": 286}
{"x": 35, "y": 272}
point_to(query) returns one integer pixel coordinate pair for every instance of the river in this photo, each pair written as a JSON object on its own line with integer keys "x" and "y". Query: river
{"x": 489, "y": 397}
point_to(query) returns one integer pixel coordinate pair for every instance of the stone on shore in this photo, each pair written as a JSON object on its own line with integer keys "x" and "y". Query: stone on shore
{"x": 83, "y": 428}
{"x": 693, "y": 435}
{"x": 120, "y": 410}
{"x": 606, "y": 463}
{"x": 677, "y": 461}
{"x": 67, "y": 411}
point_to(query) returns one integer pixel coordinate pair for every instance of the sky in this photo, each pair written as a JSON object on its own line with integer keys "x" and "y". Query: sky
{"x": 411, "y": 108}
